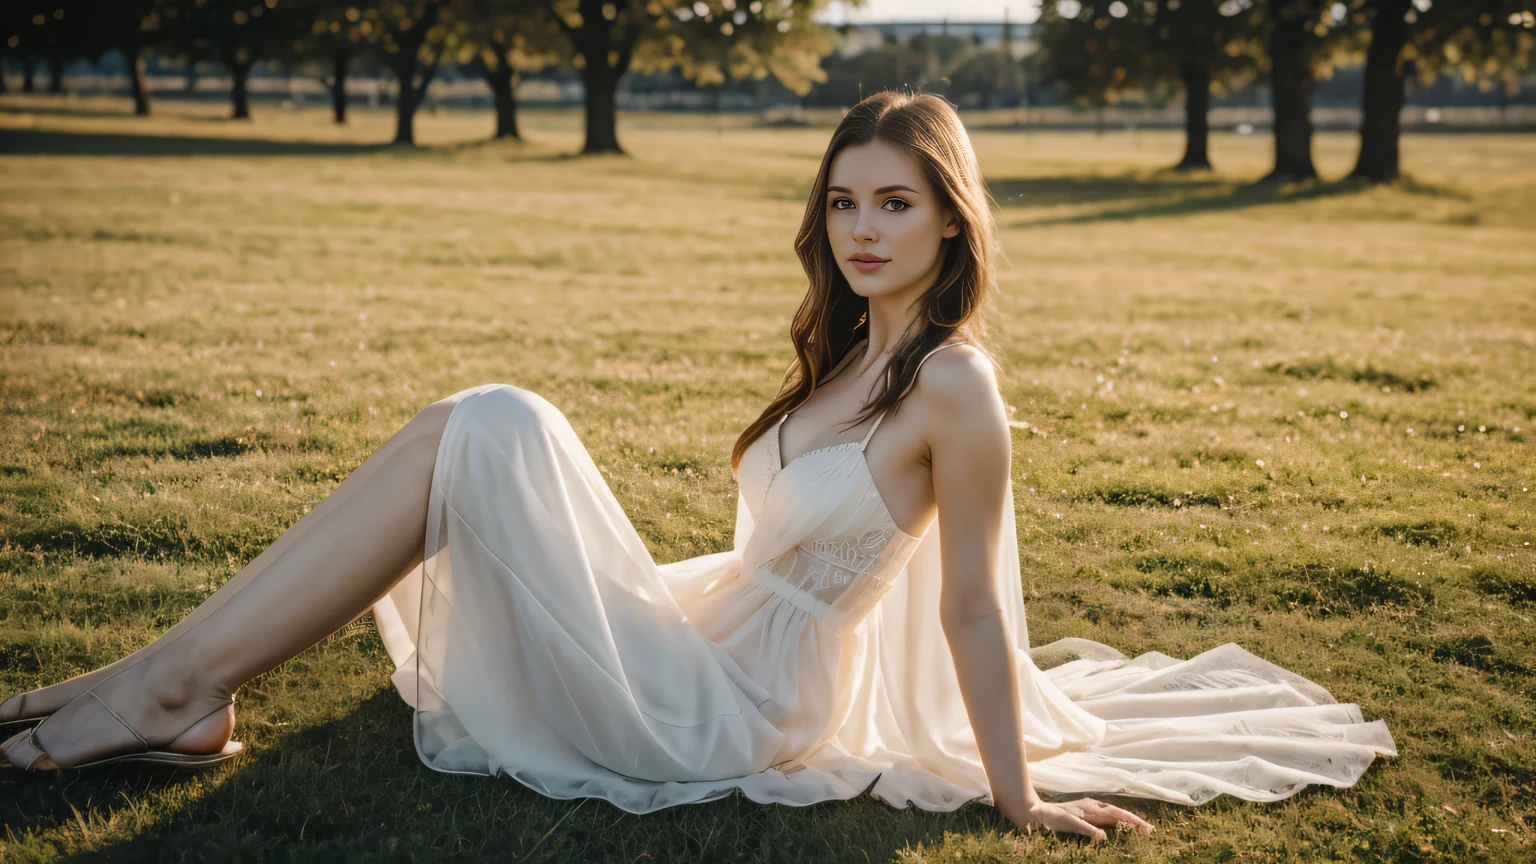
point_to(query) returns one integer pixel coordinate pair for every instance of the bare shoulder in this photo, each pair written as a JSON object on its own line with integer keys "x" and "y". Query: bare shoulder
{"x": 958, "y": 389}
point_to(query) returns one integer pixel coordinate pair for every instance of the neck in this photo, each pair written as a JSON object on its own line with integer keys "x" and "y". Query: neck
{"x": 891, "y": 316}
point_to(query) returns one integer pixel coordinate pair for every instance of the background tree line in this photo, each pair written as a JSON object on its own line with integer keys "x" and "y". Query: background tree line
{"x": 708, "y": 42}
{"x": 1098, "y": 53}
{"x": 1106, "y": 51}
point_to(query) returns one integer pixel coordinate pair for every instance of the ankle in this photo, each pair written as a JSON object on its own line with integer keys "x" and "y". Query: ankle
{"x": 175, "y": 684}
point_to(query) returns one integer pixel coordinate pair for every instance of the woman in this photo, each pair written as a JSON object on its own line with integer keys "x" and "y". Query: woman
{"x": 840, "y": 646}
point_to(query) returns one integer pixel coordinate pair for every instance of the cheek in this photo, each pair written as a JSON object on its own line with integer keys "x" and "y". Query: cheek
{"x": 838, "y": 224}
{"x": 916, "y": 233}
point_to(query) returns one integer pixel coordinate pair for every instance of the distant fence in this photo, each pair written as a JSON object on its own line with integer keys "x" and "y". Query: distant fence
{"x": 305, "y": 91}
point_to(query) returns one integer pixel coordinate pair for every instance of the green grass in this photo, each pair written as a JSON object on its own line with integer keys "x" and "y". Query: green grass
{"x": 204, "y": 326}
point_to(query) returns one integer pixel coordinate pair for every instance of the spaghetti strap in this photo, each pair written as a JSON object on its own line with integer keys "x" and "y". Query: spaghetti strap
{"x": 925, "y": 360}
{"x": 871, "y": 433}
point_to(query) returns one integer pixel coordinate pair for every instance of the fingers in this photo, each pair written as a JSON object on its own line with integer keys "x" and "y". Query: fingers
{"x": 1079, "y": 826}
{"x": 1102, "y": 813}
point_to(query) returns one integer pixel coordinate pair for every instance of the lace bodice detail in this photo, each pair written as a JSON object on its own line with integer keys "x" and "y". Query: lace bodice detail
{"x": 842, "y": 575}
{"x": 839, "y": 551}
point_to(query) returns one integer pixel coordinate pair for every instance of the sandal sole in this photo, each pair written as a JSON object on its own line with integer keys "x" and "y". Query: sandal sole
{"x": 159, "y": 757}
{"x": 165, "y": 757}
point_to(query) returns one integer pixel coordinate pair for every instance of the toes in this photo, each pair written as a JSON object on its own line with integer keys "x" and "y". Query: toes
{"x": 22, "y": 752}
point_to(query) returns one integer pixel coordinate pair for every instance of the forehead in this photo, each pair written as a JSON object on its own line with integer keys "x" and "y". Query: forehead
{"x": 875, "y": 163}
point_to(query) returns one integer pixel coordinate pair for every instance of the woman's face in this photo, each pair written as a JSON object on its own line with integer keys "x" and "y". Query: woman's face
{"x": 880, "y": 206}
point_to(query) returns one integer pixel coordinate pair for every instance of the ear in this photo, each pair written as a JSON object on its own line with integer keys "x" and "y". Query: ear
{"x": 951, "y": 227}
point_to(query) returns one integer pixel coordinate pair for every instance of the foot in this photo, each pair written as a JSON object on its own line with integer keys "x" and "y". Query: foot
{"x": 46, "y": 700}
{"x": 14, "y": 709}
{"x": 146, "y": 707}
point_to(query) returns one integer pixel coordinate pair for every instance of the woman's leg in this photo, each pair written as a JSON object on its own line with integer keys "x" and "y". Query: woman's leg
{"x": 47, "y": 700}
{"x": 322, "y": 573}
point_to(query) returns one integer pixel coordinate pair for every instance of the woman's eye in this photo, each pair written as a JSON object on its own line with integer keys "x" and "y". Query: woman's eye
{"x": 838, "y": 202}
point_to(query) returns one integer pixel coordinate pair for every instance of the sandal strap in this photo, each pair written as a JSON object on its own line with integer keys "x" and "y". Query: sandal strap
{"x": 96, "y": 737}
{"x": 118, "y": 718}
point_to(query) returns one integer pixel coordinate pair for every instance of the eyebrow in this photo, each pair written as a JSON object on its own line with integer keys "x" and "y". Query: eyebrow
{"x": 881, "y": 191}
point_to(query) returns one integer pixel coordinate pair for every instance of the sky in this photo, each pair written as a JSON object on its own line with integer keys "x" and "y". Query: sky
{"x": 1025, "y": 11}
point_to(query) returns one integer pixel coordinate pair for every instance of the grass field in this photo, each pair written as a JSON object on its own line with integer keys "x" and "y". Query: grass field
{"x": 1295, "y": 419}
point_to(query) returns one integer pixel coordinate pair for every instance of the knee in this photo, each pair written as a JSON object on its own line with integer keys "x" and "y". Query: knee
{"x": 497, "y": 407}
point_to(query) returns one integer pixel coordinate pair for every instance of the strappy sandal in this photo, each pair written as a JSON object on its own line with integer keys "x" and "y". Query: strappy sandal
{"x": 24, "y": 753}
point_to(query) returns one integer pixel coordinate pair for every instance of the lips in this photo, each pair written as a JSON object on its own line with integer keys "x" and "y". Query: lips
{"x": 868, "y": 263}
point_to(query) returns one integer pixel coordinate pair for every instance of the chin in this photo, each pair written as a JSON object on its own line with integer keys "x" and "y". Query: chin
{"x": 874, "y": 287}
{"x": 867, "y": 285}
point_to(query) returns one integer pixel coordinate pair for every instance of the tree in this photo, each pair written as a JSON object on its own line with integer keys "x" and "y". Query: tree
{"x": 130, "y": 27}
{"x": 327, "y": 42}
{"x": 709, "y": 42}
{"x": 39, "y": 29}
{"x": 239, "y": 33}
{"x": 987, "y": 78}
{"x": 411, "y": 36}
{"x": 1095, "y": 54}
{"x": 506, "y": 38}
{"x": 338, "y": 33}
{"x": 849, "y": 79}
{"x": 63, "y": 29}
{"x": 1488, "y": 42}
{"x": 1304, "y": 38}
{"x": 1206, "y": 48}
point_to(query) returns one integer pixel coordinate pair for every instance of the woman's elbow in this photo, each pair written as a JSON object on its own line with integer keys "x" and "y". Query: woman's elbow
{"x": 963, "y": 610}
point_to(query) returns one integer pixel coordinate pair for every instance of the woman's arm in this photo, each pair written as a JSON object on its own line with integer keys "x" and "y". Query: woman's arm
{"x": 971, "y": 452}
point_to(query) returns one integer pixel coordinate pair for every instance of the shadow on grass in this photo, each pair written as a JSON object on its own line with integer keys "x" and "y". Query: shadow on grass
{"x": 1209, "y": 198}
{"x": 36, "y": 142}
{"x": 22, "y": 109}
{"x": 1170, "y": 194}
{"x": 1056, "y": 191}
{"x": 353, "y": 789}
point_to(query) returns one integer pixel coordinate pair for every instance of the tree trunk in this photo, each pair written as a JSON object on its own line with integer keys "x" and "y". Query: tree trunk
{"x": 1197, "y": 104}
{"x": 28, "y": 73}
{"x": 601, "y": 84}
{"x": 239, "y": 96}
{"x": 1291, "y": 81}
{"x": 136, "y": 86}
{"x": 1381, "y": 110}
{"x": 405, "y": 64}
{"x": 409, "y": 98}
{"x": 502, "y": 80}
{"x": 339, "y": 61}
{"x": 56, "y": 74}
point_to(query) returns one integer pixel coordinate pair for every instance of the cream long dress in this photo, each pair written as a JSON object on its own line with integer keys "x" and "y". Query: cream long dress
{"x": 539, "y": 639}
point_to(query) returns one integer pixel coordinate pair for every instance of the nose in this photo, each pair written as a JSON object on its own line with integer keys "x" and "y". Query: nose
{"x": 864, "y": 226}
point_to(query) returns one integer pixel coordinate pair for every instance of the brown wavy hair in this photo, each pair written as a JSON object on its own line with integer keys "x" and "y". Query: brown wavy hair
{"x": 832, "y": 318}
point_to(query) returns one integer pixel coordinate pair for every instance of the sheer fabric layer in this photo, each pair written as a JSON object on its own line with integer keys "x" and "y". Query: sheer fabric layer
{"x": 539, "y": 639}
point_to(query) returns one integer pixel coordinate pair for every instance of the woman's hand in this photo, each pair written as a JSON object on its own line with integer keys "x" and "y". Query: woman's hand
{"x": 1081, "y": 816}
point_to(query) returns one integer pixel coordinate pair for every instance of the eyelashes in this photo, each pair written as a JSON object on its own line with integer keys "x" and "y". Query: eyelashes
{"x": 904, "y": 204}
